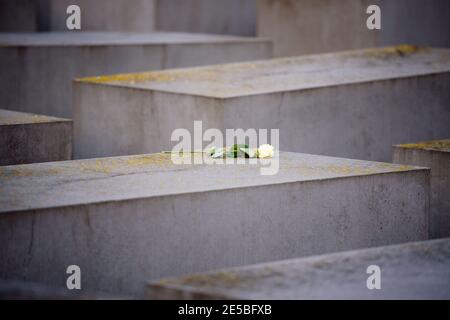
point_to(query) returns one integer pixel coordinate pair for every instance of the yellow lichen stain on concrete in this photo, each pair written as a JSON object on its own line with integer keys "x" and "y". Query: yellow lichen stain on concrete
{"x": 395, "y": 167}
{"x": 21, "y": 171}
{"x": 207, "y": 280}
{"x": 400, "y": 50}
{"x": 244, "y": 278}
{"x": 110, "y": 165}
{"x": 17, "y": 172}
{"x": 322, "y": 264}
{"x": 128, "y": 78}
{"x": 155, "y": 76}
{"x": 100, "y": 166}
{"x": 24, "y": 118}
{"x": 438, "y": 145}
{"x": 53, "y": 171}
{"x": 234, "y": 79}
{"x": 157, "y": 159}
{"x": 308, "y": 170}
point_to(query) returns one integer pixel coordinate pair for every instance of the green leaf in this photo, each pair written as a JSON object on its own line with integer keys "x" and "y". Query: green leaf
{"x": 235, "y": 150}
{"x": 231, "y": 154}
{"x": 219, "y": 153}
{"x": 238, "y": 146}
{"x": 248, "y": 153}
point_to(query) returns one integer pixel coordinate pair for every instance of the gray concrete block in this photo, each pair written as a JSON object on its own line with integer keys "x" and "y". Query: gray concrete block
{"x": 311, "y": 26}
{"x": 434, "y": 155}
{"x": 353, "y": 104}
{"x": 22, "y": 290}
{"x": 419, "y": 270}
{"x": 98, "y": 15}
{"x": 235, "y": 17}
{"x": 37, "y": 69}
{"x": 18, "y": 16}
{"x": 31, "y": 138}
{"x": 103, "y": 15}
{"x": 127, "y": 220}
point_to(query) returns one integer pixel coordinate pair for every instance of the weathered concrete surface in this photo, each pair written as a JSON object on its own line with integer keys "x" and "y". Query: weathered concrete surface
{"x": 311, "y": 26}
{"x": 18, "y": 15}
{"x": 434, "y": 155}
{"x": 104, "y": 15}
{"x": 31, "y": 138}
{"x": 127, "y": 220}
{"x": 37, "y": 69}
{"x": 419, "y": 270}
{"x": 21, "y": 290}
{"x": 235, "y": 17}
{"x": 352, "y": 104}
{"x": 98, "y": 15}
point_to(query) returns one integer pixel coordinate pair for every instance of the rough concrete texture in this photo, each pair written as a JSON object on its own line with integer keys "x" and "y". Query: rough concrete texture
{"x": 103, "y": 15}
{"x": 37, "y": 69}
{"x": 419, "y": 270}
{"x": 434, "y": 155}
{"x": 314, "y": 26}
{"x": 127, "y": 220}
{"x": 21, "y": 290}
{"x": 236, "y": 17}
{"x": 18, "y": 16}
{"x": 353, "y": 104}
{"x": 31, "y": 138}
{"x": 98, "y": 15}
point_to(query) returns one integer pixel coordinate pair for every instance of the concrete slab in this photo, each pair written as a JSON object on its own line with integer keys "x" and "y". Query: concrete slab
{"x": 98, "y": 15}
{"x": 419, "y": 270}
{"x": 235, "y": 17}
{"x": 435, "y": 155}
{"x": 126, "y": 220}
{"x": 38, "y": 68}
{"x": 311, "y": 26}
{"x": 31, "y": 138}
{"x": 102, "y": 15}
{"x": 18, "y": 16}
{"x": 22, "y": 290}
{"x": 354, "y": 104}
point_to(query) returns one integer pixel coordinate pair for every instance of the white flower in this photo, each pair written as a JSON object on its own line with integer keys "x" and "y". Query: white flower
{"x": 265, "y": 151}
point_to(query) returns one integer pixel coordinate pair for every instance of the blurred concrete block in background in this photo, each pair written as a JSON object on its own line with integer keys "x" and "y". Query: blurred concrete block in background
{"x": 237, "y": 17}
{"x": 424, "y": 23}
{"x": 419, "y": 270}
{"x": 435, "y": 155}
{"x": 96, "y": 15}
{"x": 297, "y": 26}
{"x": 353, "y": 104}
{"x": 37, "y": 69}
{"x": 233, "y": 17}
{"x": 311, "y": 26}
{"x": 127, "y": 220}
{"x": 31, "y": 138}
{"x": 104, "y": 15}
{"x": 23, "y": 290}
{"x": 19, "y": 15}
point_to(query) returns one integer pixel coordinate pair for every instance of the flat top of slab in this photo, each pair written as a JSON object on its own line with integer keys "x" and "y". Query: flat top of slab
{"x": 436, "y": 145}
{"x": 288, "y": 74}
{"x": 408, "y": 271}
{"x": 66, "y": 183}
{"x": 8, "y": 117}
{"x": 113, "y": 38}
